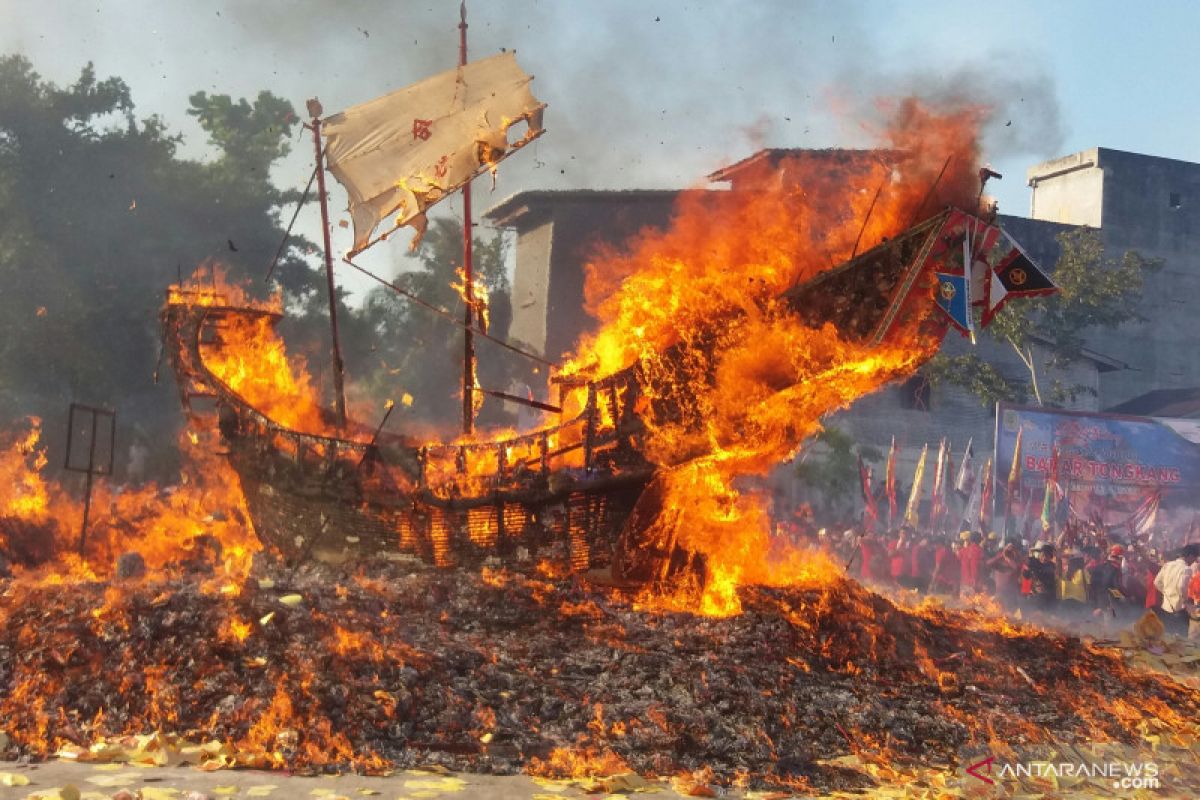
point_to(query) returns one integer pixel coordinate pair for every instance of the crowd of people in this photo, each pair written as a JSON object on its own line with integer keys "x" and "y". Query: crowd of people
{"x": 1084, "y": 570}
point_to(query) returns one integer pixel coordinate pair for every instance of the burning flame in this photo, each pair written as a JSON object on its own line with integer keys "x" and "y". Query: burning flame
{"x": 40, "y": 520}
{"x": 697, "y": 308}
{"x": 248, "y": 355}
{"x": 21, "y": 463}
{"x": 251, "y": 360}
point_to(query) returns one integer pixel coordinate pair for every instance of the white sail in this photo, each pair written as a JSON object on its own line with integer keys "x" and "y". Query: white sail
{"x": 401, "y": 153}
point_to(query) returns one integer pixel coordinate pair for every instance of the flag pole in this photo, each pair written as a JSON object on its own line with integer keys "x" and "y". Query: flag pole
{"x": 339, "y": 380}
{"x": 468, "y": 378}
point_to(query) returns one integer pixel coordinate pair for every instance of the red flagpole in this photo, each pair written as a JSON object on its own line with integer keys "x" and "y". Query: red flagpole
{"x": 339, "y": 381}
{"x": 468, "y": 379}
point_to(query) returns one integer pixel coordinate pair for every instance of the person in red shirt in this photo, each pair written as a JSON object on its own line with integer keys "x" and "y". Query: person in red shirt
{"x": 868, "y": 549}
{"x": 900, "y": 557}
{"x": 1151, "y": 567}
{"x": 946, "y": 570}
{"x": 1005, "y": 567}
{"x": 970, "y": 558}
{"x": 921, "y": 568}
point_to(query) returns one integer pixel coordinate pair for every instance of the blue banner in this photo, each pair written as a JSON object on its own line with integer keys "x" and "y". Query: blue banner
{"x": 1138, "y": 473}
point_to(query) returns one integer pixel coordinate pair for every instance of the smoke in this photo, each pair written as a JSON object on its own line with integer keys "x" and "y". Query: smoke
{"x": 1019, "y": 103}
{"x": 641, "y": 93}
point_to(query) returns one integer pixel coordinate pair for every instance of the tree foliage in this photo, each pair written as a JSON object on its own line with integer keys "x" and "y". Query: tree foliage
{"x": 830, "y": 468}
{"x": 1095, "y": 292}
{"x": 98, "y": 214}
{"x": 421, "y": 354}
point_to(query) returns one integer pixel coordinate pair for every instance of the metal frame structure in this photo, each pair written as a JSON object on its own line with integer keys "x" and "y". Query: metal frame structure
{"x": 91, "y": 470}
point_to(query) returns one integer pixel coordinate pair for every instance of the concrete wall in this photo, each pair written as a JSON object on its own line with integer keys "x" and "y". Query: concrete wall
{"x": 1068, "y": 190}
{"x": 1138, "y": 202}
{"x": 557, "y": 234}
{"x": 1149, "y": 205}
{"x": 1152, "y": 206}
{"x": 531, "y": 285}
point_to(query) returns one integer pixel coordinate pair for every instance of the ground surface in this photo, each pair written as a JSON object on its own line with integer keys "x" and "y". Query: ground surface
{"x": 175, "y": 782}
{"x": 829, "y": 687}
{"x": 54, "y": 780}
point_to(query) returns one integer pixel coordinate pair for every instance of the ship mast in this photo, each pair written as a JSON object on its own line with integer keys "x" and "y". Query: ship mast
{"x": 468, "y": 378}
{"x": 339, "y": 379}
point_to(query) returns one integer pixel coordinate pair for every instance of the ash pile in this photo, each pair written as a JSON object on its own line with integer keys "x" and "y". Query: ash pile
{"x": 389, "y": 666}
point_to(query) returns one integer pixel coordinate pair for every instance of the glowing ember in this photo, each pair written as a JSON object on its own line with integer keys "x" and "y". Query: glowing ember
{"x": 387, "y": 668}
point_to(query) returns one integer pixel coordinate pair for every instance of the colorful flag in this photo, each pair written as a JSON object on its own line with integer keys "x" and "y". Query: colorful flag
{"x": 954, "y": 298}
{"x": 1015, "y": 276}
{"x": 889, "y": 480}
{"x": 912, "y": 513}
{"x": 1014, "y": 477}
{"x": 962, "y": 481}
{"x": 870, "y": 510}
{"x": 1026, "y": 501}
{"x": 1051, "y": 490}
{"x": 985, "y": 499}
{"x": 938, "y": 500}
{"x": 1141, "y": 522}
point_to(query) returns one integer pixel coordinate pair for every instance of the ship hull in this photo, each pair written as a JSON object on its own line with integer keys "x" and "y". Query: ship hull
{"x": 566, "y": 493}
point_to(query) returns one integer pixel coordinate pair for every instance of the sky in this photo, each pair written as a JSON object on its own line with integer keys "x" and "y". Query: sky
{"x": 655, "y": 94}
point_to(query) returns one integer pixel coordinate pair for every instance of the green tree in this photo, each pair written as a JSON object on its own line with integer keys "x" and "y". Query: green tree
{"x": 98, "y": 214}
{"x": 830, "y": 468}
{"x": 1095, "y": 292}
{"x": 419, "y": 353}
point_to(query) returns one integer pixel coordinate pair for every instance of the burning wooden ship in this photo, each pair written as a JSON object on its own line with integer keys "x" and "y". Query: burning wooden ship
{"x": 565, "y": 491}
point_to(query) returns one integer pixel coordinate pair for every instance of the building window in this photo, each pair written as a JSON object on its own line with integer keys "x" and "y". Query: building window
{"x": 1176, "y": 200}
{"x": 914, "y": 393}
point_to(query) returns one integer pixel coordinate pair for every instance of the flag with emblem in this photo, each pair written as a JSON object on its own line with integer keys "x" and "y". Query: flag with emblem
{"x": 1015, "y": 275}
{"x": 953, "y": 298}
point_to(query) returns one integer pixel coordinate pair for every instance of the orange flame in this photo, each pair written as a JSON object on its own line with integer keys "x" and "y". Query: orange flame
{"x": 202, "y": 517}
{"x": 21, "y": 463}
{"x": 756, "y": 379}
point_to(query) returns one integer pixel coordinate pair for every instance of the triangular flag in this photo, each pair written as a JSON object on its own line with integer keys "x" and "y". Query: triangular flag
{"x": 953, "y": 297}
{"x": 995, "y": 298}
{"x": 985, "y": 500}
{"x": 889, "y": 482}
{"x": 1022, "y": 278}
{"x": 1015, "y": 275}
{"x": 963, "y": 479}
{"x": 870, "y": 509}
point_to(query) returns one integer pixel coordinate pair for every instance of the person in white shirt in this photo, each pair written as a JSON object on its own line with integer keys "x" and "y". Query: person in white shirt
{"x": 1172, "y": 582}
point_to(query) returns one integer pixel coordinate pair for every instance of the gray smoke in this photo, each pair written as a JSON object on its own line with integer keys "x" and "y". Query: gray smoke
{"x": 641, "y": 93}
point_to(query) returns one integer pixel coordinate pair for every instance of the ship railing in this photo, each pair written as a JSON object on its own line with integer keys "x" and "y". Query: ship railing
{"x": 581, "y": 447}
